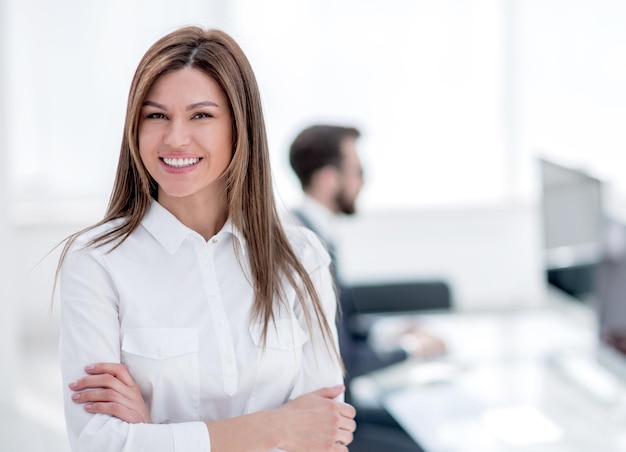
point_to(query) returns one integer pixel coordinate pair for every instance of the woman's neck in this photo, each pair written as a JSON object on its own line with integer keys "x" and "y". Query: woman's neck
{"x": 203, "y": 214}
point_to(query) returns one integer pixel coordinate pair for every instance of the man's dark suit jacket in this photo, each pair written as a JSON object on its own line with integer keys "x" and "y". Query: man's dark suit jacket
{"x": 358, "y": 357}
{"x": 377, "y": 430}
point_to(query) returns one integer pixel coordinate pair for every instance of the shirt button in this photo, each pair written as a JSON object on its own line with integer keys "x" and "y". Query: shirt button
{"x": 214, "y": 240}
{"x": 213, "y": 294}
{"x": 220, "y": 322}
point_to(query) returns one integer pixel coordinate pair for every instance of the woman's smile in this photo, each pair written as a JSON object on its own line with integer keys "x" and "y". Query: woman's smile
{"x": 180, "y": 165}
{"x": 180, "y": 162}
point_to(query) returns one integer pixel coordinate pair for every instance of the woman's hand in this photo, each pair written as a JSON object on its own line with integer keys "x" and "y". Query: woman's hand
{"x": 316, "y": 422}
{"x": 109, "y": 389}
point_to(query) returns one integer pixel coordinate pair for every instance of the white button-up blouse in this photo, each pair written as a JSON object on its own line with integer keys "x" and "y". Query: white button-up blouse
{"x": 176, "y": 310}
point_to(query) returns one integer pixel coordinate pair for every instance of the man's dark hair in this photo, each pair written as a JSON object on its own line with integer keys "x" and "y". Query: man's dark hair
{"x": 316, "y": 147}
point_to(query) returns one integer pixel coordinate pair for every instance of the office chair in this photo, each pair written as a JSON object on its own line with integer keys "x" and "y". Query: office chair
{"x": 395, "y": 297}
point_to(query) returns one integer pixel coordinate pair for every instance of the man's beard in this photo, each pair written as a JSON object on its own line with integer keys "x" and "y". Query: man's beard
{"x": 345, "y": 205}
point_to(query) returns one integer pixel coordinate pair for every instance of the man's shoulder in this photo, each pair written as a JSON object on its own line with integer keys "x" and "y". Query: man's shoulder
{"x": 298, "y": 234}
{"x": 299, "y": 216}
{"x": 305, "y": 243}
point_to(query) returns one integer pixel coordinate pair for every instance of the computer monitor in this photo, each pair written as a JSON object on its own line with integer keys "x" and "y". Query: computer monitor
{"x": 610, "y": 299}
{"x": 572, "y": 215}
{"x": 585, "y": 254}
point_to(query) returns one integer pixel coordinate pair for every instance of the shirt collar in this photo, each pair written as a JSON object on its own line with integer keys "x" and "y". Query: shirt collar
{"x": 321, "y": 217}
{"x": 230, "y": 228}
{"x": 171, "y": 233}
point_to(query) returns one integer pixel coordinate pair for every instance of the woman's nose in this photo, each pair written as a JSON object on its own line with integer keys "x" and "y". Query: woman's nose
{"x": 177, "y": 134}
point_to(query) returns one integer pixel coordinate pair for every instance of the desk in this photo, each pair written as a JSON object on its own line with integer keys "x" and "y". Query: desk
{"x": 519, "y": 381}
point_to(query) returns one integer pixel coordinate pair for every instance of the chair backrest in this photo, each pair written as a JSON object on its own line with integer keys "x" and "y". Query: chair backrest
{"x": 402, "y": 297}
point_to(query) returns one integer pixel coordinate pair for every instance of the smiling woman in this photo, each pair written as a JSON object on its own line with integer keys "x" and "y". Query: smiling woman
{"x": 185, "y": 137}
{"x": 192, "y": 318}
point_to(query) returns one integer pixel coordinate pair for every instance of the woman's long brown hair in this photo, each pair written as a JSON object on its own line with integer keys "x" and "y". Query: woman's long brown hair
{"x": 250, "y": 197}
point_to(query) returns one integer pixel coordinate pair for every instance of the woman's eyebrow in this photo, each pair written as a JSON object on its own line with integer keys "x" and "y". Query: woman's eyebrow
{"x": 205, "y": 103}
{"x": 154, "y": 104}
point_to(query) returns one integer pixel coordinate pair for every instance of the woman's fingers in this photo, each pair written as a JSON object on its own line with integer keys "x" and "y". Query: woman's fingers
{"x": 98, "y": 395}
{"x": 344, "y": 438}
{"x": 117, "y": 410}
{"x": 97, "y": 381}
{"x": 347, "y": 424}
{"x": 329, "y": 392}
{"x": 315, "y": 421}
{"x": 345, "y": 432}
{"x": 346, "y": 410}
{"x": 117, "y": 370}
{"x": 109, "y": 389}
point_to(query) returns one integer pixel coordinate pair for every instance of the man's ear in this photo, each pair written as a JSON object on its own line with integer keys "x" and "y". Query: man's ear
{"x": 327, "y": 179}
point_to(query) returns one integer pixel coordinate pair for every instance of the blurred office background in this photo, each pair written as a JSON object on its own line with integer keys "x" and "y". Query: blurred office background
{"x": 458, "y": 100}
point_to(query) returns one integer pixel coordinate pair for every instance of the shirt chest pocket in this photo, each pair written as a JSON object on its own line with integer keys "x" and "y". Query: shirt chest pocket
{"x": 164, "y": 363}
{"x": 282, "y": 355}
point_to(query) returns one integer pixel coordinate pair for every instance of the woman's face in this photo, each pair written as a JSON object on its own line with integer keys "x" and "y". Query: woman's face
{"x": 185, "y": 136}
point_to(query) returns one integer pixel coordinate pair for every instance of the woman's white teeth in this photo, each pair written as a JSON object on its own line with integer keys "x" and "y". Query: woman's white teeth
{"x": 180, "y": 163}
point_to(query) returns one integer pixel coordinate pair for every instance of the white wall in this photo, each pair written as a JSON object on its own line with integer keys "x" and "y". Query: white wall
{"x": 8, "y": 294}
{"x": 424, "y": 81}
{"x": 36, "y": 266}
{"x": 427, "y": 83}
{"x": 571, "y": 88}
{"x": 455, "y": 99}
{"x": 490, "y": 257}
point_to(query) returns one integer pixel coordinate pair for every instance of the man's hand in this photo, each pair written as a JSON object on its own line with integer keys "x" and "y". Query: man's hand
{"x": 418, "y": 342}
